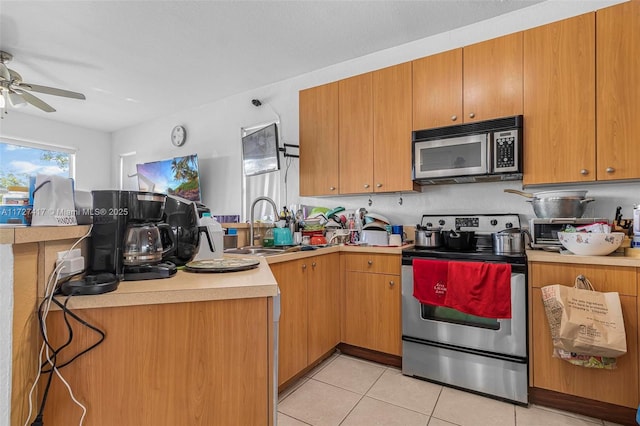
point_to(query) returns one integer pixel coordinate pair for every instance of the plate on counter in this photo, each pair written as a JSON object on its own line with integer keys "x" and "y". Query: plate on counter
{"x": 224, "y": 264}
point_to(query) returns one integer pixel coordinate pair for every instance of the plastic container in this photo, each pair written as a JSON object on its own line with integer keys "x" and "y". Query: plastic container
{"x": 214, "y": 229}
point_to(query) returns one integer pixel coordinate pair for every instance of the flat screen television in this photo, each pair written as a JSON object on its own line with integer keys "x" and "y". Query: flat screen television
{"x": 176, "y": 176}
{"x": 260, "y": 151}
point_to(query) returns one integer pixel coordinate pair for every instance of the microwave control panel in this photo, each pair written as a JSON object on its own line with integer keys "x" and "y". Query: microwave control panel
{"x": 505, "y": 151}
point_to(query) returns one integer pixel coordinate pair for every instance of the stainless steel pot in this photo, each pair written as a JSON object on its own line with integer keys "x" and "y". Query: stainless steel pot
{"x": 509, "y": 241}
{"x": 553, "y": 207}
{"x": 428, "y": 237}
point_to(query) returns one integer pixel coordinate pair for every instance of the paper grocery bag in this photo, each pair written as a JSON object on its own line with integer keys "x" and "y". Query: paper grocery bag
{"x": 53, "y": 202}
{"x": 585, "y": 321}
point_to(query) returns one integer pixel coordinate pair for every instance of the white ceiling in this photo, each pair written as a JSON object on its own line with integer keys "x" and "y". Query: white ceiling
{"x": 140, "y": 60}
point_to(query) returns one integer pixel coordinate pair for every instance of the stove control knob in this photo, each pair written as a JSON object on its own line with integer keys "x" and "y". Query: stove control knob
{"x": 508, "y": 225}
{"x": 494, "y": 222}
{"x": 429, "y": 225}
{"x": 441, "y": 222}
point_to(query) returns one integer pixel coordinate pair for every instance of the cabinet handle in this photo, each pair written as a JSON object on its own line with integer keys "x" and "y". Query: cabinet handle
{"x": 584, "y": 172}
{"x": 454, "y": 117}
{"x": 313, "y": 265}
{"x": 391, "y": 283}
{"x": 472, "y": 115}
{"x": 370, "y": 262}
{"x": 304, "y": 266}
{"x": 366, "y": 185}
{"x": 332, "y": 188}
{"x": 378, "y": 185}
{"x": 610, "y": 170}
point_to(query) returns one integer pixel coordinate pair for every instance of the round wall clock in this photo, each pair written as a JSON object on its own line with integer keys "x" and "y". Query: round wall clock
{"x": 178, "y": 135}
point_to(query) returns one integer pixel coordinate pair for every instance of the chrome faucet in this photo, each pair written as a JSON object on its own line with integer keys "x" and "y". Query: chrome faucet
{"x": 253, "y": 205}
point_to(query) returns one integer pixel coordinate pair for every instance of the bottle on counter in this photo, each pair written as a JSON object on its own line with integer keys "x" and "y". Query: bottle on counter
{"x": 268, "y": 240}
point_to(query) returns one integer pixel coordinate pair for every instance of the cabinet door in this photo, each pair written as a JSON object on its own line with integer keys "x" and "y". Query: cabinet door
{"x": 618, "y": 386}
{"x": 437, "y": 90}
{"x": 559, "y": 101}
{"x": 319, "y": 140}
{"x": 356, "y": 134}
{"x": 372, "y": 311}
{"x": 392, "y": 129}
{"x": 323, "y": 300}
{"x": 493, "y": 78}
{"x": 618, "y": 88}
{"x": 292, "y": 345}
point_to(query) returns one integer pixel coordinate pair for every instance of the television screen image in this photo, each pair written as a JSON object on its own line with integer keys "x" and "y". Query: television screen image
{"x": 177, "y": 176}
{"x": 260, "y": 151}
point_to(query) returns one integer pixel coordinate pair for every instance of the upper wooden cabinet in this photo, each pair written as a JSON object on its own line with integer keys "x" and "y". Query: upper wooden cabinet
{"x": 392, "y": 129}
{"x": 475, "y": 83}
{"x": 492, "y": 73}
{"x": 437, "y": 90}
{"x": 375, "y": 131}
{"x": 356, "y": 134}
{"x": 559, "y": 102}
{"x": 319, "y": 140}
{"x": 618, "y": 91}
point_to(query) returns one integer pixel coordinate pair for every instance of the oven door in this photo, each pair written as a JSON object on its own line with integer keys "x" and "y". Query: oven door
{"x": 444, "y": 326}
{"x": 459, "y": 156}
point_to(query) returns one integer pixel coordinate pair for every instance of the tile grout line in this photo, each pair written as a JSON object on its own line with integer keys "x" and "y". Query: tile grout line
{"x": 362, "y": 396}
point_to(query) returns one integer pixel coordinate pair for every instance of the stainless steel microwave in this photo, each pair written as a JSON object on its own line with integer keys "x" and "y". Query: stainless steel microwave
{"x": 483, "y": 151}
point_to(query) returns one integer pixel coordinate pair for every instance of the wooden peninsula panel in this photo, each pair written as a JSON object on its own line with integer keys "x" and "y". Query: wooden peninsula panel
{"x": 199, "y": 363}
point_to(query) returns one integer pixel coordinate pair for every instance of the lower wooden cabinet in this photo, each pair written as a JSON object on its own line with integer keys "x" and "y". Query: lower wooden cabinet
{"x": 310, "y": 318}
{"x": 372, "y": 302}
{"x": 618, "y": 386}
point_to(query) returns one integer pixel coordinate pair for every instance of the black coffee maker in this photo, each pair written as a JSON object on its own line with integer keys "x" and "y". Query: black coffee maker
{"x": 128, "y": 242}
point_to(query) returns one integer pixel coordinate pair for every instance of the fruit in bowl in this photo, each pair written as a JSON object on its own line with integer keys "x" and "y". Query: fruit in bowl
{"x": 591, "y": 243}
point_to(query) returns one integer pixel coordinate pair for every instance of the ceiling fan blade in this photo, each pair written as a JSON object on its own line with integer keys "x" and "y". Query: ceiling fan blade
{"x": 51, "y": 91}
{"x": 4, "y": 72}
{"x": 36, "y": 102}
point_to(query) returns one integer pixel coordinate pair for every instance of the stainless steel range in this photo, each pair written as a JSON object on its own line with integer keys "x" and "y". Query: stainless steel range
{"x": 475, "y": 353}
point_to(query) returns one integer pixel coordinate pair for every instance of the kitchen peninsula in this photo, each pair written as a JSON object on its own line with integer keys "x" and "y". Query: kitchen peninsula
{"x": 192, "y": 349}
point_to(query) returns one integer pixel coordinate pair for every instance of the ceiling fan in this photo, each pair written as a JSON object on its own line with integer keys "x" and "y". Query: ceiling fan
{"x": 16, "y": 92}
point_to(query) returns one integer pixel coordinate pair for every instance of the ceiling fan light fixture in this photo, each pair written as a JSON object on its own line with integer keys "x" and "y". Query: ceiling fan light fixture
{"x": 16, "y": 100}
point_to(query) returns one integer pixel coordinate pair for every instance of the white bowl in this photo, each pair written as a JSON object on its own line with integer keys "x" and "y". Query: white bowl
{"x": 591, "y": 244}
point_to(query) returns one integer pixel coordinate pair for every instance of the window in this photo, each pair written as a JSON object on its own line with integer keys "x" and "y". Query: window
{"x": 21, "y": 160}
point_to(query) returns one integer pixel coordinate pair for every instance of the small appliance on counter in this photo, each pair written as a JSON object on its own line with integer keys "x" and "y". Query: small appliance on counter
{"x": 128, "y": 241}
{"x": 544, "y": 231}
{"x": 182, "y": 215}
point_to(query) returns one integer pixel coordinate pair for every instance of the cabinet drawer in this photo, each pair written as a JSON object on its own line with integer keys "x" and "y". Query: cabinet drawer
{"x": 373, "y": 263}
{"x": 604, "y": 278}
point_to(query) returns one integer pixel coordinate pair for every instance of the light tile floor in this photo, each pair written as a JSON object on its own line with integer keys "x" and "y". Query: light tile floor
{"x": 348, "y": 391}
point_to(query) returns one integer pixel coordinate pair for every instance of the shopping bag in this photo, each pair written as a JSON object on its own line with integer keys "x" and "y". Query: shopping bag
{"x": 584, "y": 321}
{"x": 53, "y": 202}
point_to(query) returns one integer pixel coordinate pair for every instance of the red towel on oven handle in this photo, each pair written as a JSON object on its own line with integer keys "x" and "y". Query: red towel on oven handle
{"x": 480, "y": 289}
{"x": 430, "y": 281}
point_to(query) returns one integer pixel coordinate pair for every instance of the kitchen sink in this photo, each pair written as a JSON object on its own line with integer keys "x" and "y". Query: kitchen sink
{"x": 257, "y": 251}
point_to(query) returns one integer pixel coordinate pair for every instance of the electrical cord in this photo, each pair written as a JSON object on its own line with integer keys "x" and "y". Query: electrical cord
{"x": 44, "y": 307}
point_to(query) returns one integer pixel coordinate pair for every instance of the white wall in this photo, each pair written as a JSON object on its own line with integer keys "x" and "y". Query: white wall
{"x": 93, "y": 151}
{"x": 214, "y": 134}
{"x": 93, "y": 148}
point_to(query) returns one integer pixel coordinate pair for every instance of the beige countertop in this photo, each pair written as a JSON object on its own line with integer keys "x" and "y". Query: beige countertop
{"x": 614, "y": 259}
{"x": 186, "y": 287}
{"x": 19, "y": 234}
{"x": 191, "y": 287}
